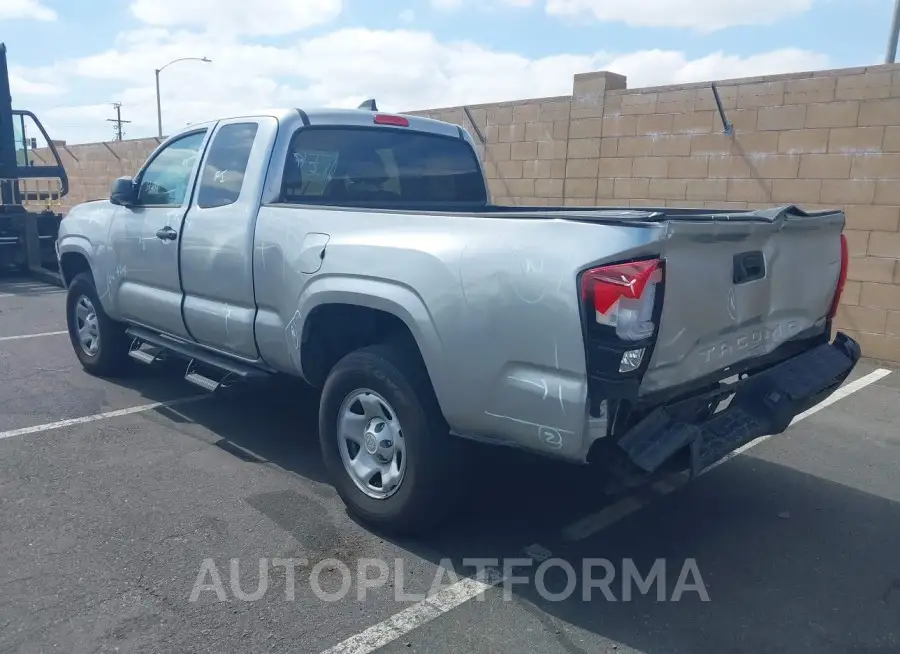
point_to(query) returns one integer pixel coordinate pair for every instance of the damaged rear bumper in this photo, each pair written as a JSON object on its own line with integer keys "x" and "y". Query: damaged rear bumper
{"x": 762, "y": 404}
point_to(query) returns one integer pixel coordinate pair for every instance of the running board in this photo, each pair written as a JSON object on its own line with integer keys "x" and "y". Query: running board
{"x": 196, "y": 356}
{"x": 202, "y": 381}
{"x": 153, "y": 354}
{"x": 144, "y": 356}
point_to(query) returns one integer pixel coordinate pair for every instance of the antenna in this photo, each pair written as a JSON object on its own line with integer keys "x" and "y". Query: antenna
{"x": 727, "y": 127}
{"x": 119, "y": 133}
{"x": 369, "y": 104}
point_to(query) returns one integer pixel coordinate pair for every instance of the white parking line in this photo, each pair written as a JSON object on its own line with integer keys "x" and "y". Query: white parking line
{"x": 36, "y": 294}
{"x": 599, "y": 521}
{"x": 59, "y": 424}
{"x": 21, "y": 336}
{"x": 28, "y": 288}
{"x": 418, "y": 614}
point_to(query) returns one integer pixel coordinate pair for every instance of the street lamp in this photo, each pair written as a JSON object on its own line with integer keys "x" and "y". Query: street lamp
{"x": 158, "y": 71}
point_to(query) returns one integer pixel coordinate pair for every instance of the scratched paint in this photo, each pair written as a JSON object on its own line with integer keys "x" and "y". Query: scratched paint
{"x": 227, "y": 320}
{"x": 528, "y": 422}
{"x": 292, "y": 332}
{"x": 549, "y": 437}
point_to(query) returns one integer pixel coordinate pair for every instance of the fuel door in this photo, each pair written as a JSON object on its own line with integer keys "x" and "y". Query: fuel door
{"x": 312, "y": 252}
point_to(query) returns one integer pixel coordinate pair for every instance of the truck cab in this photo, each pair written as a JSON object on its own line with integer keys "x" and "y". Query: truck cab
{"x": 191, "y": 247}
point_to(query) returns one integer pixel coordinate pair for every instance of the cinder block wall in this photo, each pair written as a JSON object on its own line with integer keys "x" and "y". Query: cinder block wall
{"x": 819, "y": 139}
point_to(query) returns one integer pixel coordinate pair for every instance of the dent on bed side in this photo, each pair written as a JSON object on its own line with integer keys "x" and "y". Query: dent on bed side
{"x": 532, "y": 390}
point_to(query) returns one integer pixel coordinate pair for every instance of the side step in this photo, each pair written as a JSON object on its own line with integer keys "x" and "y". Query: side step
{"x": 147, "y": 356}
{"x": 203, "y": 381}
{"x": 203, "y": 366}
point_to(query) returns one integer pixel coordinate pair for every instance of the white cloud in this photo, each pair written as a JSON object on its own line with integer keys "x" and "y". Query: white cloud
{"x": 25, "y": 9}
{"x": 702, "y": 15}
{"x": 659, "y": 67}
{"x": 24, "y": 84}
{"x": 137, "y": 54}
{"x": 404, "y": 69}
{"x": 257, "y": 17}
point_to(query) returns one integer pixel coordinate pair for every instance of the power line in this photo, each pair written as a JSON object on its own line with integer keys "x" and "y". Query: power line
{"x": 119, "y": 132}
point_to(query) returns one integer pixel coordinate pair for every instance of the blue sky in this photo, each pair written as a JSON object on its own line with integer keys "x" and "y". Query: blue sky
{"x": 71, "y": 59}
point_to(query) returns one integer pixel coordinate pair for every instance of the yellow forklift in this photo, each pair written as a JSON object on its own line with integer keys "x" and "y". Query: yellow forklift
{"x": 32, "y": 184}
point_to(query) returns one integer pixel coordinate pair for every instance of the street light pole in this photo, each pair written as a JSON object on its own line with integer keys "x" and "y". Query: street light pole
{"x": 895, "y": 32}
{"x": 158, "y": 106}
{"x": 159, "y": 101}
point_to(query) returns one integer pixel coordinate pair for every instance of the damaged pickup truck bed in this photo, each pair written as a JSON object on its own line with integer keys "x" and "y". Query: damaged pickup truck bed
{"x": 360, "y": 251}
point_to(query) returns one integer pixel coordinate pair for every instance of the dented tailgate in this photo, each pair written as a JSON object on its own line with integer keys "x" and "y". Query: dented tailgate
{"x": 737, "y": 287}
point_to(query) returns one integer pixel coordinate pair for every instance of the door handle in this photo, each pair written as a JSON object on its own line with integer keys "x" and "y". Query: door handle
{"x": 167, "y": 234}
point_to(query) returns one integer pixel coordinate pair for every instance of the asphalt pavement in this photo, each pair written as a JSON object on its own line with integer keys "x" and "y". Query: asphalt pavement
{"x": 144, "y": 515}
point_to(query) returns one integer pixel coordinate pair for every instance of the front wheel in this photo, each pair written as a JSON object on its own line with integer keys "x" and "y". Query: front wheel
{"x": 100, "y": 343}
{"x": 385, "y": 442}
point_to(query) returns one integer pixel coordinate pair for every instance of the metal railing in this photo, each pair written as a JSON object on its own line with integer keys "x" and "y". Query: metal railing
{"x": 38, "y": 193}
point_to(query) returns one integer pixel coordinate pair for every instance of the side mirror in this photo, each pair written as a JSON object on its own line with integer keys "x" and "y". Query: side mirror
{"x": 123, "y": 192}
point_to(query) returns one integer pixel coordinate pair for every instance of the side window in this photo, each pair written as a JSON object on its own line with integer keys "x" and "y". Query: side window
{"x": 226, "y": 164}
{"x": 166, "y": 179}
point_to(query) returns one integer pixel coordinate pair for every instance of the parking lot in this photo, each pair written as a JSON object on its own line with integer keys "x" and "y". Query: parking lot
{"x": 119, "y": 501}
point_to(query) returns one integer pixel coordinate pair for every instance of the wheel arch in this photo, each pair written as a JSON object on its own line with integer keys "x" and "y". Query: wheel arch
{"x": 73, "y": 262}
{"x": 347, "y": 316}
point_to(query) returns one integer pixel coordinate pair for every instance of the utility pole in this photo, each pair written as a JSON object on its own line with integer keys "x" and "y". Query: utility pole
{"x": 895, "y": 32}
{"x": 118, "y": 121}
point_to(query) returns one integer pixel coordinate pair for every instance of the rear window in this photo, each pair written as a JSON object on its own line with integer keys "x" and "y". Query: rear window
{"x": 380, "y": 167}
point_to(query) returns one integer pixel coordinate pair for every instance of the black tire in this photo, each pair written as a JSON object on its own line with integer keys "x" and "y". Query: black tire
{"x": 428, "y": 493}
{"x": 111, "y": 357}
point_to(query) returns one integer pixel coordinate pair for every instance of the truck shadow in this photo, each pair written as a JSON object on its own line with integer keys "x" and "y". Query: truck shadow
{"x": 276, "y": 422}
{"x": 770, "y": 560}
{"x": 790, "y": 562}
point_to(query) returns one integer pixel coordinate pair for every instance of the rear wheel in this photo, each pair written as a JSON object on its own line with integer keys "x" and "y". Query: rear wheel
{"x": 100, "y": 343}
{"x": 385, "y": 442}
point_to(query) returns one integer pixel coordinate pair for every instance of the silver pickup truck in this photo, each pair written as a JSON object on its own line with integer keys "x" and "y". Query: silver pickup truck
{"x": 359, "y": 251}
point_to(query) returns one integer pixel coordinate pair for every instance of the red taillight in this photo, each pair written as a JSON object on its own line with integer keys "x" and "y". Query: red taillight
{"x": 842, "y": 278}
{"x": 622, "y": 296}
{"x": 386, "y": 119}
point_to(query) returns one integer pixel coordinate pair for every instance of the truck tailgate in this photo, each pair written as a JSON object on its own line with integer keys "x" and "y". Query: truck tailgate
{"x": 737, "y": 289}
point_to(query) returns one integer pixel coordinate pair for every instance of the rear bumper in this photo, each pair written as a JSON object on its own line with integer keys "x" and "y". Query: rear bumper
{"x": 762, "y": 404}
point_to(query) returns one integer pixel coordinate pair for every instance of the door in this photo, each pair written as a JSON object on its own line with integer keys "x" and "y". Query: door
{"x": 218, "y": 236}
{"x": 145, "y": 237}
